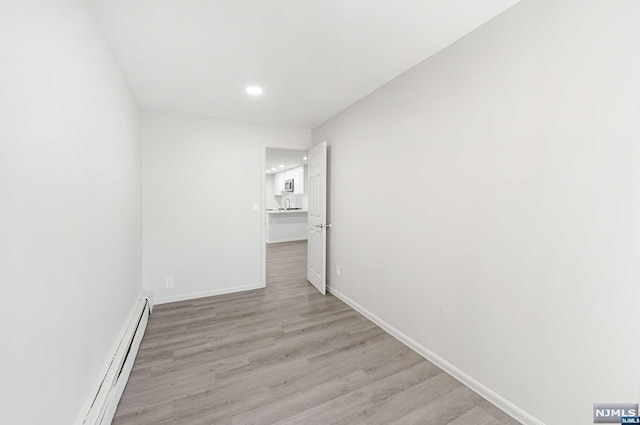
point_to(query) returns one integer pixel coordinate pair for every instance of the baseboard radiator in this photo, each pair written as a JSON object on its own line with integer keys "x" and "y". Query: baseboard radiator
{"x": 106, "y": 396}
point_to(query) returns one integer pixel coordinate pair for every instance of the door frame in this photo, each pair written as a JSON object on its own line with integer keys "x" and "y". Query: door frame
{"x": 263, "y": 199}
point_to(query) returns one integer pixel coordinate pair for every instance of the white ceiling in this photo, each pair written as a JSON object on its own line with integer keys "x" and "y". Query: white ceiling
{"x": 313, "y": 58}
{"x": 290, "y": 159}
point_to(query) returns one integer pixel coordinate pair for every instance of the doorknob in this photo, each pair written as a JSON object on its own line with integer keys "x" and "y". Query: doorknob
{"x": 322, "y": 226}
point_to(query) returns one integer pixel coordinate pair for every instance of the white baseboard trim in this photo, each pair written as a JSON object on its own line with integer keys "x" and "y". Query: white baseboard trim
{"x": 210, "y": 293}
{"x": 148, "y": 294}
{"x": 494, "y": 398}
{"x": 287, "y": 240}
{"x": 103, "y": 399}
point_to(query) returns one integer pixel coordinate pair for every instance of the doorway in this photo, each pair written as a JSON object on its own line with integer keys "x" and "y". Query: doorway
{"x": 294, "y": 211}
{"x": 286, "y": 205}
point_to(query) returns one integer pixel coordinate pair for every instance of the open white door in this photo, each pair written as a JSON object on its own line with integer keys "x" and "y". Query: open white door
{"x": 317, "y": 242}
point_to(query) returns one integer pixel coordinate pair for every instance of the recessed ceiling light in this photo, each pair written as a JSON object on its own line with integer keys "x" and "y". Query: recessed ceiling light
{"x": 304, "y": 158}
{"x": 281, "y": 166}
{"x": 274, "y": 169}
{"x": 267, "y": 171}
{"x": 254, "y": 90}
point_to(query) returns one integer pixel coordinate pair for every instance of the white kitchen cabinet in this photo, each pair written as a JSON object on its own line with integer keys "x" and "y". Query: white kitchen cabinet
{"x": 278, "y": 183}
{"x": 286, "y": 226}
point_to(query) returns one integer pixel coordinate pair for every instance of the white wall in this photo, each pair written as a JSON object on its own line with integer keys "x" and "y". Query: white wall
{"x": 271, "y": 200}
{"x": 486, "y": 204}
{"x": 200, "y": 179}
{"x": 70, "y": 232}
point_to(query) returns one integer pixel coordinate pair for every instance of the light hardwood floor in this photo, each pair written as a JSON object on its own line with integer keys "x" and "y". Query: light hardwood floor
{"x": 286, "y": 355}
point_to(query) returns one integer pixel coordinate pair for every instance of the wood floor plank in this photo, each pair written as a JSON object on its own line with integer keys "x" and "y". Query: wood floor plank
{"x": 335, "y": 410}
{"x": 475, "y": 416}
{"x": 286, "y": 355}
{"x": 272, "y": 412}
{"x": 387, "y": 410}
{"x": 442, "y": 410}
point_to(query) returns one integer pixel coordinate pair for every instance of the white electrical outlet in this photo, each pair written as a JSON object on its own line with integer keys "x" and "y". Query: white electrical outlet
{"x": 338, "y": 271}
{"x": 169, "y": 283}
{"x": 256, "y": 207}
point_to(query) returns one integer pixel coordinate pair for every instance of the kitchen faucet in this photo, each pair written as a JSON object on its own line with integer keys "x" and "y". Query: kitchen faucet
{"x": 287, "y": 203}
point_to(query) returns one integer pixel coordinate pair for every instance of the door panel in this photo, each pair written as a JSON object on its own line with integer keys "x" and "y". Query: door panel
{"x": 317, "y": 242}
